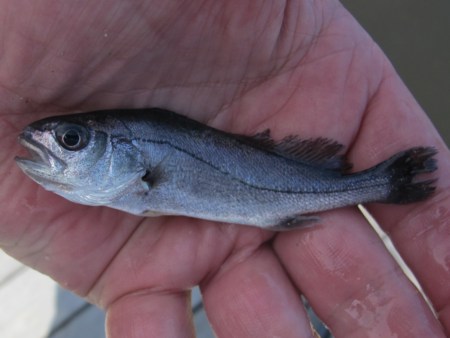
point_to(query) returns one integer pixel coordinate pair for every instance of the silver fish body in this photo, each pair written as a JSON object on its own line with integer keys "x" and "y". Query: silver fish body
{"x": 155, "y": 162}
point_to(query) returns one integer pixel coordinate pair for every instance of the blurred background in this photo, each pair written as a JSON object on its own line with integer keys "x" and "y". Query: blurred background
{"x": 415, "y": 35}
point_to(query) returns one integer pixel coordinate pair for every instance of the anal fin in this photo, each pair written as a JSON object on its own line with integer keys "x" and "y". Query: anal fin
{"x": 294, "y": 222}
{"x": 151, "y": 213}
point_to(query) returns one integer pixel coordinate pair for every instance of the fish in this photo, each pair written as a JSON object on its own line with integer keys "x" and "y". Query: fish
{"x": 154, "y": 162}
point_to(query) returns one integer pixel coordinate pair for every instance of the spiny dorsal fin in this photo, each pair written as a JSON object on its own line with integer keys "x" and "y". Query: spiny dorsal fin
{"x": 320, "y": 151}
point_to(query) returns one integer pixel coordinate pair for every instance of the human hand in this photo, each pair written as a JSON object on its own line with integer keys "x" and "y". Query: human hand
{"x": 301, "y": 68}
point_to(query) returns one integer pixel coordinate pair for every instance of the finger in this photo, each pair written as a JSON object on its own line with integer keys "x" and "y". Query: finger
{"x": 149, "y": 314}
{"x": 351, "y": 281}
{"x": 251, "y": 296}
{"x": 420, "y": 231}
{"x": 73, "y": 246}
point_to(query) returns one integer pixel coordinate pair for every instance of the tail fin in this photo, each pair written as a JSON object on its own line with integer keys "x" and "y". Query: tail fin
{"x": 402, "y": 169}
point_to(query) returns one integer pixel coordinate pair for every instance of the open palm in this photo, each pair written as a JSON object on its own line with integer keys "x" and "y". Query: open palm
{"x": 298, "y": 67}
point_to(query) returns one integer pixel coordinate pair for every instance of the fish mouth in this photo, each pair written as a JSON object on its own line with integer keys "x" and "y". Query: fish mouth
{"x": 41, "y": 165}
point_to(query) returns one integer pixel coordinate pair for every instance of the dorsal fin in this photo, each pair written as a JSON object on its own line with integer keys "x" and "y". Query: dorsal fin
{"x": 320, "y": 151}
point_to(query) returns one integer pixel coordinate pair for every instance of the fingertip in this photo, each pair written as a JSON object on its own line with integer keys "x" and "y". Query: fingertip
{"x": 254, "y": 298}
{"x": 146, "y": 314}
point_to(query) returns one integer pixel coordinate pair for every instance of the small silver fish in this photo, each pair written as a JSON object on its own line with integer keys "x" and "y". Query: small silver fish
{"x": 154, "y": 162}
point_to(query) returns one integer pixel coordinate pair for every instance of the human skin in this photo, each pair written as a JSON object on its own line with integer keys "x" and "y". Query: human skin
{"x": 298, "y": 67}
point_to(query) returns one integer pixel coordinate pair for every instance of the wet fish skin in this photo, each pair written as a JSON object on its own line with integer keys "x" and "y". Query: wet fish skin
{"x": 155, "y": 162}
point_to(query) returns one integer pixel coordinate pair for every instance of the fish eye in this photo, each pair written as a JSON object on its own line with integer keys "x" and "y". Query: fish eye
{"x": 72, "y": 136}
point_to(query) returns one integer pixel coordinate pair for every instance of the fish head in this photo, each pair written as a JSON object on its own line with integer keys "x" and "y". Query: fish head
{"x": 79, "y": 159}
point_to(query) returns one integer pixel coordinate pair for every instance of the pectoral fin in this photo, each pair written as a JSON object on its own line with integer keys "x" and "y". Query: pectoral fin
{"x": 156, "y": 175}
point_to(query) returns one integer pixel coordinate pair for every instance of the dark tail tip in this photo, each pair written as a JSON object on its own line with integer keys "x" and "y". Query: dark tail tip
{"x": 402, "y": 169}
